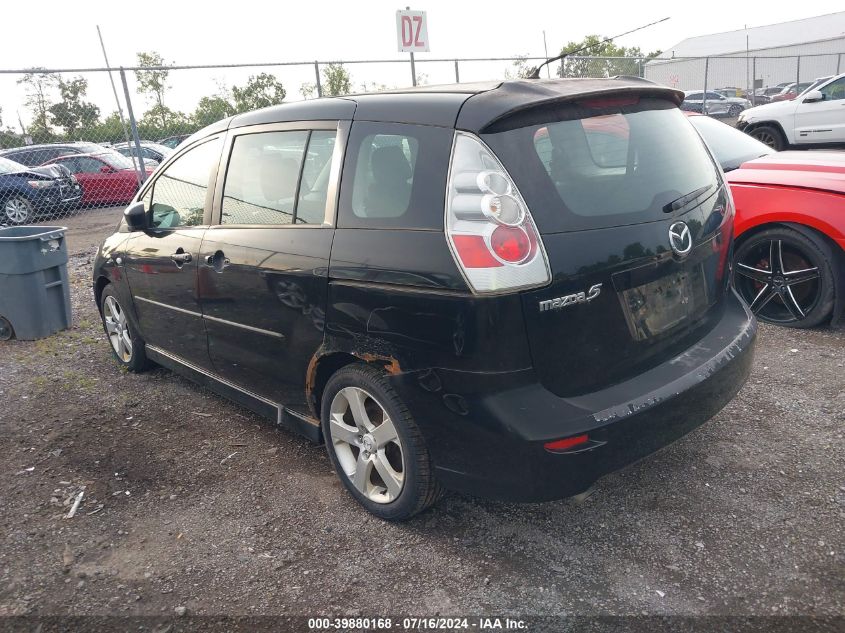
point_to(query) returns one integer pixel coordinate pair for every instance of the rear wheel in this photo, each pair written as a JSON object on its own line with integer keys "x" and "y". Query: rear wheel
{"x": 787, "y": 277}
{"x": 734, "y": 111}
{"x": 769, "y": 135}
{"x": 126, "y": 343}
{"x": 376, "y": 448}
{"x": 6, "y": 330}
{"x": 17, "y": 210}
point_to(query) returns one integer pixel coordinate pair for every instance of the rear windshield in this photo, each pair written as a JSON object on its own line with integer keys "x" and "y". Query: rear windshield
{"x": 590, "y": 167}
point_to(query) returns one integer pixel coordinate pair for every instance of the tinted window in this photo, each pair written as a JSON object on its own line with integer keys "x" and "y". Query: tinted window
{"x": 585, "y": 168}
{"x": 695, "y": 96}
{"x": 179, "y": 192}
{"x": 715, "y": 96}
{"x": 730, "y": 146}
{"x": 262, "y": 177}
{"x": 395, "y": 176}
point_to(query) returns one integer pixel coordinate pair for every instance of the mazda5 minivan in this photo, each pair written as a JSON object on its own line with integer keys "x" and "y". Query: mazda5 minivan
{"x": 508, "y": 289}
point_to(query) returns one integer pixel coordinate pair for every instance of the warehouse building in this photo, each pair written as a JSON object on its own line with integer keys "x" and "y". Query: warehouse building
{"x": 756, "y": 57}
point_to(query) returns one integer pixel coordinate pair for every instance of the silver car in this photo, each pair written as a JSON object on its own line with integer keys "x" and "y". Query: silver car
{"x": 716, "y": 104}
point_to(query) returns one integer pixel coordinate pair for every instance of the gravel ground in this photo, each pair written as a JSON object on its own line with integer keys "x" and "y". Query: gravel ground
{"x": 192, "y": 502}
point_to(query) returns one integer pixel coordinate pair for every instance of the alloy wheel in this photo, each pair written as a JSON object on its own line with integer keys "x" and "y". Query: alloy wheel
{"x": 778, "y": 281}
{"x": 766, "y": 139}
{"x": 16, "y": 210}
{"x": 117, "y": 329}
{"x": 367, "y": 445}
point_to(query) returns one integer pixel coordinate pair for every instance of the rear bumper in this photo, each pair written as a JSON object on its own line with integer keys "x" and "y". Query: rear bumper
{"x": 486, "y": 432}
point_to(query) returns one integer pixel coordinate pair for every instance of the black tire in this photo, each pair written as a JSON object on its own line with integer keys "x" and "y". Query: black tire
{"x": 136, "y": 358}
{"x": 16, "y": 210}
{"x": 734, "y": 111}
{"x": 769, "y": 135}
{"x": 7, "y": 332}
{"x": 768, "y": 290}
{"x": 419, "y": 490}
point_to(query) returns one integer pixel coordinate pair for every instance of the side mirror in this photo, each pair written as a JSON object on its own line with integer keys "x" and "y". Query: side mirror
{"x": 105, "y": 169}
{"x": 813, "y": 96}
{"x": 136, "y": 216}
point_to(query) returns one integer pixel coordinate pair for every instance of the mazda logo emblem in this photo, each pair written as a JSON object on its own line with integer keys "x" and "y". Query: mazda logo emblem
{"x": 680, "y": 238}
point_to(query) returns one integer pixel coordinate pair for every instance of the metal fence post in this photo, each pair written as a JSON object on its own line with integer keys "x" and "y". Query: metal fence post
{"x": 317, "y": 77}
{"x": 797, "y": 73}
{"x": 704, "y": 102}
{"x": 458, "y": 74}
{"x": 754, "y": 81}
{"x": 838, "y": 63}
{"x": 142, "y": 172}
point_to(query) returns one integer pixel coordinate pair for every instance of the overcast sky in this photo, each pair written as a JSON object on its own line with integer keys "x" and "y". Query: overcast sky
{"x": 51, "y": 33}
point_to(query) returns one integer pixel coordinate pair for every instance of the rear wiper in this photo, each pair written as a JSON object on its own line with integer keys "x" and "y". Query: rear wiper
{"x": 683, "y": 201}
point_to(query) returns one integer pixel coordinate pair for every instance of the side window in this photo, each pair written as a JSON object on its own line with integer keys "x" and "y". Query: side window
{"x": 70, "y": 163}
{"x": 314, "y": 185}
{"x": 88, "y": 165}
{"x": 695, "y": 96}
{"x": 395, "y": 176}
{"x": 834, "y": 90}
{"x": 262, "y": 176}
{"x": 179, "y": 193}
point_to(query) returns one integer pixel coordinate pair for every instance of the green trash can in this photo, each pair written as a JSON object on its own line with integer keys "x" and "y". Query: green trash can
{"x": 34, "y": 289}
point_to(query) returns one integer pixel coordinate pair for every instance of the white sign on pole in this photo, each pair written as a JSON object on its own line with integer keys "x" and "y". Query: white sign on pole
{"x": 412, "y": 31}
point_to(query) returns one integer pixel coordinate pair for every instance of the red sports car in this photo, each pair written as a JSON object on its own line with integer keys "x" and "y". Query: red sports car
{"x": 106, "y": 177}
{"x": 789, "y": 253}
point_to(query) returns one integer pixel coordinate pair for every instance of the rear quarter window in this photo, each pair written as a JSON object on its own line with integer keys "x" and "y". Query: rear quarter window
{"x": 395, "y": 176}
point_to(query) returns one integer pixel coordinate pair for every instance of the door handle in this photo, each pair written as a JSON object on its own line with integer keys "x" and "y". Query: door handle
{"x": 218, "y": 261}
{"x": 181, "y": 257}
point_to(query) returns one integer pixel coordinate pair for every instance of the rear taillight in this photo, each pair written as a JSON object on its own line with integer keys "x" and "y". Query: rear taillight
{"x": 488, "y": 225}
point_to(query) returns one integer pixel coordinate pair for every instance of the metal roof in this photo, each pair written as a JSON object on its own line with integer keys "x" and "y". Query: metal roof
{"x": 815, "y": 29}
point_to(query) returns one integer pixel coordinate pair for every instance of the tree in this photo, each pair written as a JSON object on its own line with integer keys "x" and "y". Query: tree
{"x": 521, "y": 68}
{"x": 161, "y": 121}
{"x": 308, "y": 90}
{"x": 212, "y": 109}
{"x": 260, "y": 91}
{"x": 38, "y": 86}
{"x": 593, "y": 62}
{"x": 153, "y": 82}
{"x": 109, "y": 130}
{"x": 72, "y": 113}
{"x": 336, "y": 80}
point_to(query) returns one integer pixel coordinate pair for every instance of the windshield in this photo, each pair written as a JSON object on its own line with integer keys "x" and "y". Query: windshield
{"x": 115, "y": 160}
{"x": 730, "y": 146}
{"x": 582, "y": 169}
{"x": 9, "y": 166}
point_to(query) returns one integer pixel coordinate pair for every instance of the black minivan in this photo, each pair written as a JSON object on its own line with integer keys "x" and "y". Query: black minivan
{"x": 508, "y": 289}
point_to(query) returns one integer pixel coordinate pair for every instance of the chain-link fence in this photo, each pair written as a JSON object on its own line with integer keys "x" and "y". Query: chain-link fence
{"x": 78, "y": 139}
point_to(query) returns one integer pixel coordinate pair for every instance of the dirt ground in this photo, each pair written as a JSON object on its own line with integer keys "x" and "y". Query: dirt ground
{"x": 192, "y": 502}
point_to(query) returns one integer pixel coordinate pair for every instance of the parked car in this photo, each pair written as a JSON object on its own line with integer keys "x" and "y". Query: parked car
{"x": 173, "y": 141}
{"x": 567, "y": 312}
{"x": 731, "y": 92}
{"x": 27, "y": 192}
{"x": 816, "y": 118}
{"x": 789, "y": 257}
{"x": 716, "y": 104}
{"x": 150, "y": 151}
{"x": 106, "y": 177}
{"x": 35, "y": 155}
{"x": 791, "y": 91}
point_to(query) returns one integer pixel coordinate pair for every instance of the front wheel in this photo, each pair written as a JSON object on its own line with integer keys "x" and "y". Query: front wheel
{"x": 17, "y": 210}
{"x": 787, "y": 278}
{"x": 126, "y": 343}
{"x": 374, "y": 445}
{"x": 770, "y": 136}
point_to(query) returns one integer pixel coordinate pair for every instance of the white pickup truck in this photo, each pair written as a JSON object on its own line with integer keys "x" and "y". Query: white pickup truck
{"x": 816, "y": 117}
